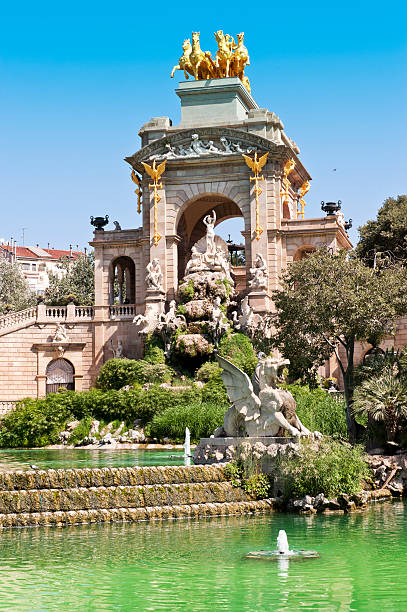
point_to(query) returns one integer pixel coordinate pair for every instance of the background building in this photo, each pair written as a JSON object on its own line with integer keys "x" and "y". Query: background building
{"x": 36, "y": 263}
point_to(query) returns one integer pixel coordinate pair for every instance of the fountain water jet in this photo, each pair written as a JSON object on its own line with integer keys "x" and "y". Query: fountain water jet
{"x": 282, "y": 542}
{"x": 187, "y": 447}
{"x": 283, "y": 551}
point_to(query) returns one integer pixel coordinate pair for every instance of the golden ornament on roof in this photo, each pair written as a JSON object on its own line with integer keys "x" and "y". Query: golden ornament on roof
{"x": 230, "y": 60}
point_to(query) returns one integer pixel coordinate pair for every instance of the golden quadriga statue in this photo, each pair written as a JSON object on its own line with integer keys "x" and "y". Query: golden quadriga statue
{"x": 230, "y": 60}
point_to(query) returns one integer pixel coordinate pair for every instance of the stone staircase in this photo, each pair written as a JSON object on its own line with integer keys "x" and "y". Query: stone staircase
{"x": 67, "y": 497}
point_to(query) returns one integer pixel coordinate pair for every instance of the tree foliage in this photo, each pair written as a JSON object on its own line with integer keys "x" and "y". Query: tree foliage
{"x": 74, "y": 283}
{"x": 15, "y": 293}
{"x": 383, "y": 398}
{"x": 386, "y": 237}
{"x": 328, "y": 302}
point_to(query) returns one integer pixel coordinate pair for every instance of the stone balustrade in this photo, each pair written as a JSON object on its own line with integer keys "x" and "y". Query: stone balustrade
{"x": 20, "y": 318}
{"x": 122, "y": 311}
{"x": 60, "y": 314}
{"x": 46, "y": 314}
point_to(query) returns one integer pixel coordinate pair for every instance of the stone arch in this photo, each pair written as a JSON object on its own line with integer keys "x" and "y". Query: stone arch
{"x": 122, "y": 276}
{"x": 60, "y": 373}
{"x": 303, "y": 251}
{"x": 234, "y": 191}
{"x": 190, "y": 227}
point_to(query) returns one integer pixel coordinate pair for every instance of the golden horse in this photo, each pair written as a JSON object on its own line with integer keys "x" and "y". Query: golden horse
{"x": 183, "y": 62}
{"x": 202, "y": 63}
{"x": 224, "y": 54}
{"x": 240, "y": 58}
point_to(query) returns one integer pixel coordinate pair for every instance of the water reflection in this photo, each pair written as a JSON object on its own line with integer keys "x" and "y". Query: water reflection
{"x": 200, "y": 565}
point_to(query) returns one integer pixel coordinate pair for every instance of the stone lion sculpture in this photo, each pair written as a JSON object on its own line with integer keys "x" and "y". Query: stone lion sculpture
{"x": 263, "y": 415}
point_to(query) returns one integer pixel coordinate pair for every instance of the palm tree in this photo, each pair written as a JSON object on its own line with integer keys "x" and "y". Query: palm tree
{"x": 383, "y": 398}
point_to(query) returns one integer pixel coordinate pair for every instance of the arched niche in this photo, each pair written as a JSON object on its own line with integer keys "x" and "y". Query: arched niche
{"x": 190, "y": 225}
{"x": 60, "y": 373}
{"x": 122, "y": 281}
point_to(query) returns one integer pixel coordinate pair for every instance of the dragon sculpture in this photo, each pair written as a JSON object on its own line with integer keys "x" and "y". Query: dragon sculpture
{"x": 270, "y": 412}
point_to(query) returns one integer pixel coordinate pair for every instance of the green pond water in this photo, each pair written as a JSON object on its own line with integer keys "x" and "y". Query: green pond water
{"x": 199, "y": 565}
{"x": 85, "y": 458}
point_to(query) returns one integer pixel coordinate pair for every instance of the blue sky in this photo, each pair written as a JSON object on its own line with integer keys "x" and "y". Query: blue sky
{"x": 78, "y": 81}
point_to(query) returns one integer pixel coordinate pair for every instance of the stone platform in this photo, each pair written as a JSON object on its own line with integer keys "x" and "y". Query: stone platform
{"x": 220, "y": 450}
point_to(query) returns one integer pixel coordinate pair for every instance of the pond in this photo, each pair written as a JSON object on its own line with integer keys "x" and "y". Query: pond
{"x": 200, "y": 565}
{"x": 17, "y": 459}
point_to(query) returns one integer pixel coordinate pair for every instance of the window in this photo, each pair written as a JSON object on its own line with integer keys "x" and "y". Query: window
{"x": 33, "y": 267}
{"x": 26, "y": 266}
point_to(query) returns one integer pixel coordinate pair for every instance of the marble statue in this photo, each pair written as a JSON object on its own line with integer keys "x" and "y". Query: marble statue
{"x": 154, "y": 278}
{"x": 218, "y": 325}
{"x": 210, "y": 253}
{"x": 209, "y": 222}
{"x": 60, "y": 334}
{"x": 265, "y": 414}
{"x": 247, "y": 320}
{"x": 148, "y": 321}
{"x": 168, "y": 324}
{"x": 118, "y": 352}
{"x": 259, "y": 273}
{"x": 195, "y": 264}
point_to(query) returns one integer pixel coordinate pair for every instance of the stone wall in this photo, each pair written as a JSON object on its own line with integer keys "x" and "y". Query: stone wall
{"x": 58, "y": 497}
{"x": 26, "y": 347}
{"x": 19, "y": 359}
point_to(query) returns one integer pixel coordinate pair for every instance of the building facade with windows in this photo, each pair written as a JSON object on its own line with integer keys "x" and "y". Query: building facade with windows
{"x": 36, "y": 263}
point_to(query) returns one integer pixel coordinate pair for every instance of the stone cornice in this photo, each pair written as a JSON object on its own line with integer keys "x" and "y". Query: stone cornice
{"x": 54, "y": 346}
{"x": 157, "y": 147}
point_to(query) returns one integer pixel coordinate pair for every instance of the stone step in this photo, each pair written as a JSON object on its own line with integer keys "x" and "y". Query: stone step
{"x": 62, "y": 518}
{"x": 107, "y": 477}
{"x": 97, "y": 498}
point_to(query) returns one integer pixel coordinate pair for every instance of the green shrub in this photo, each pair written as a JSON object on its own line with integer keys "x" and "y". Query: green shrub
{"x": 81, "y": 431}
{"x": 201, "y": 418}
{"x": 328, "y": 467}
{"x": 239, "y": 350}
{"x": 154, "y": 349}
{"x": 319, "y": 411}
{"x": 247, "y": 474}
{"x": 38, "y": 422}
{"x": 117, "y": 373}
{"x": 214, "y": 392}
{"x": 33, "y": 423}
{"x": 186, "y": 292}
{"x": 210, "y": 369}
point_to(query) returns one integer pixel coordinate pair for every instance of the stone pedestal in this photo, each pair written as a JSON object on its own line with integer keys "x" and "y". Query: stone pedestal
{"x": 220, "y": 450}
{"x": 155, "y": 300}
{"x": 214, "y": 101}
{"x": 259, "y": 301}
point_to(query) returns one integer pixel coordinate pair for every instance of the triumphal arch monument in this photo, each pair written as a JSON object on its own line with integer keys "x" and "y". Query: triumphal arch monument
{"x": 226, "y": 155}
{"x": 226, "y": 158}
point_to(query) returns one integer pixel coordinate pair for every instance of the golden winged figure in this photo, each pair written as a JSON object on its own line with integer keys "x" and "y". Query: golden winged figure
{"x": 256, "y": 164}
{"x": 289, "y": 167}
{"x": 154, "y": 172}
{"x": 137, "y": 191}
{"x": 305, "y": 187}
